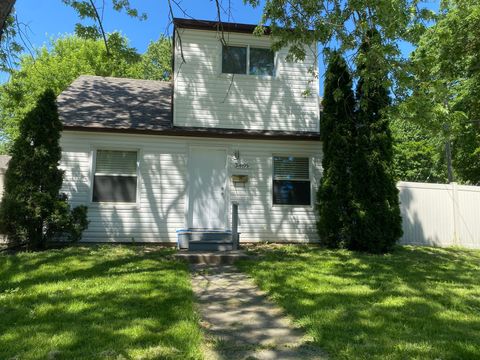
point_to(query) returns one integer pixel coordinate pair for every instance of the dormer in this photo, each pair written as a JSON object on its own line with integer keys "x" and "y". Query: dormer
{"x": 228, "y": 78}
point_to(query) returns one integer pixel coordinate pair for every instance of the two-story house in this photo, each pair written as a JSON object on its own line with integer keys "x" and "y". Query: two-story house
{"x": 235, "y": 125}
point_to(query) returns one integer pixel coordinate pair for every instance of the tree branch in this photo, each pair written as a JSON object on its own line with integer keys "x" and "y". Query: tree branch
{"x": 220, "y": 24}
{"x": 99, "y": 20}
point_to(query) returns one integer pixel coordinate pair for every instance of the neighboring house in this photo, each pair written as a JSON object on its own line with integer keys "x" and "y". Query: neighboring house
{"x": 150, "y": 158}
{"x": 4, "y": 159}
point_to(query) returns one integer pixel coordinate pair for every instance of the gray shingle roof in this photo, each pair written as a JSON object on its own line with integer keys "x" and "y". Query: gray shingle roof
{"x": 107, "y": 102}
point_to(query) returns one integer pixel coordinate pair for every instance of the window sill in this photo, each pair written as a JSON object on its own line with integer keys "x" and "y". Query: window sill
{"x": 114, "y": 205}
{"x": 247, "y": 76}
{"x": 287, "y": 206}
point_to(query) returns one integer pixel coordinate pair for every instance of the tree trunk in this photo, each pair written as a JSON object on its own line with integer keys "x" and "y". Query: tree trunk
{"x": 6, "y": 7}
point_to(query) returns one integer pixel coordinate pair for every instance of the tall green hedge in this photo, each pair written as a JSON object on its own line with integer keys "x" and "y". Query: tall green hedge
{"x": 32, "y": 210}
{"x": 334, "y": 196}
{"x": 378, "y": 224}
{"x": 357, "y": 200}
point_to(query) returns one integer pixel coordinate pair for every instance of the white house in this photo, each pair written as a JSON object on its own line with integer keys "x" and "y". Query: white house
{"x": 152, "y": 158}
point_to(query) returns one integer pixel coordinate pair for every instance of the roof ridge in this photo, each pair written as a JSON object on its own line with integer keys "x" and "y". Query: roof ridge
{"x": 121, "y": 78}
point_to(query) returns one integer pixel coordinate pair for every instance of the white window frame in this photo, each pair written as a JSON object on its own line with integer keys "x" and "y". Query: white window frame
{"x": 310, "y": 179}
{"x": 247, "y": 70}
{"x": 93, "y": 156}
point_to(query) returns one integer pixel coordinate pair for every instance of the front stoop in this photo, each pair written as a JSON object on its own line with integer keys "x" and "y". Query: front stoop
{"x": 196, "y": 239}
{"x": 211, "y": 258}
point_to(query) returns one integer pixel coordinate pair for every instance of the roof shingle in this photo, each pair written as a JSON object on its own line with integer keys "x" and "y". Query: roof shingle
{"x": 107, "y": 102}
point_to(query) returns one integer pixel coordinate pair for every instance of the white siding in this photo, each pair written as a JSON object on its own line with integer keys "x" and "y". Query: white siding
{"x": 207, "y": 98}
{"x": 163, "y": 187}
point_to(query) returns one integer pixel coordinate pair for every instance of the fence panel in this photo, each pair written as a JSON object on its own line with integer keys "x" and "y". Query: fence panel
{"x": 440, "y": 214}
{"x": 468, "y": 217}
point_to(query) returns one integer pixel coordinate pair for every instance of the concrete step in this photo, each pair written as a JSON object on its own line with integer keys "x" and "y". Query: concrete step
{"x": 209, "y": 245}
{"x": 186, "y": 236}
{"x": 211, "y": 258}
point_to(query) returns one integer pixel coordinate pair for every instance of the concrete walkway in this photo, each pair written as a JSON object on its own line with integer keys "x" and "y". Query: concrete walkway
{"x": 241, "y": 323}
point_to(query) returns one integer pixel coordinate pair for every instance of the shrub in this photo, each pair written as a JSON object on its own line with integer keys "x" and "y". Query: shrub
{"x": 32, "y": 211}
{"x": 378, "y": 224}
{"x": 334, "y": 196}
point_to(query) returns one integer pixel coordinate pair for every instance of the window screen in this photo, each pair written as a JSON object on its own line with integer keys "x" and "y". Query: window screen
{"x": 234, "y": 60}
{"x": 115, "y": 178}
{"x": 261, "y": 62}
{"x": 291, "y": 181}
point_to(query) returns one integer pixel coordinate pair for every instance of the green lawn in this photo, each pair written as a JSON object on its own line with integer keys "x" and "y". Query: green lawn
{"x": 109, "y": 302}
{"x": 417, "y": 303}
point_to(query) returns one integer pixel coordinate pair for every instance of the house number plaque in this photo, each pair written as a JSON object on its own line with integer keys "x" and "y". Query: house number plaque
{"x": 239, "y": 163}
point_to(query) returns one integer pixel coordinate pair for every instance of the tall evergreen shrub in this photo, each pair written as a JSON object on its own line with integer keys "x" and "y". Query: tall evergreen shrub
{"x": 377, "y": 216}
{"x": 32, "y": 210}
{"x": 334, "y": 196}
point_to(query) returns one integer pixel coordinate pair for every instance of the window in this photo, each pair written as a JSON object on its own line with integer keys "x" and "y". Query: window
{"x": 115, "y": 178}
{"x": 291, "y": 181}
{"x": 247, "y": 60}
{"x": 234, "y": 60}
{"x": 261, "y": 62}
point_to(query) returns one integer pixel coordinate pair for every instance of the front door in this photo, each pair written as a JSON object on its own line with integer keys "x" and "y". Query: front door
{"x": 207, "y": 182}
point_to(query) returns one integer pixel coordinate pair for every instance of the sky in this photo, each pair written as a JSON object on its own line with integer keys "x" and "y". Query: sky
{"x": 48, "y": 19}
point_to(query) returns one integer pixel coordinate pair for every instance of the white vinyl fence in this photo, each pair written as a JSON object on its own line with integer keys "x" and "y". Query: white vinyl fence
{"x": 440, "y": 214}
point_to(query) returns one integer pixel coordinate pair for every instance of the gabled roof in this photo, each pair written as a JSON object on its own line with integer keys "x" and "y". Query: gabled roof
{"x": 107, "y": 104}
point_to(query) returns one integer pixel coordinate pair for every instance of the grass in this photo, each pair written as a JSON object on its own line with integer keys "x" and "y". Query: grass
{"x": 417, "y": 303}
{"x": 109, "y": 302}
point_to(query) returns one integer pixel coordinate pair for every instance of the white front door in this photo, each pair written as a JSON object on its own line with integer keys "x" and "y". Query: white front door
{"x": 207, "y": 183}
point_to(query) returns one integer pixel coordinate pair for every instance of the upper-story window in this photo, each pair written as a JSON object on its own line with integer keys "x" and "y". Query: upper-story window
{"x": 247, "y": 60}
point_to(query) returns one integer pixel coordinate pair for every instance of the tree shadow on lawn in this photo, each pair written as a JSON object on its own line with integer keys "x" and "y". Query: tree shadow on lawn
{"x": 415, "y": 303}
{"x": 96, "y": 303}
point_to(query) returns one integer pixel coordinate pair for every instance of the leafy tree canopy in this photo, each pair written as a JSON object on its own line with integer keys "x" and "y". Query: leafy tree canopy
{"x": 90, "y": 26}
{"x": 442, "y": 94}
{"x": 345, "y": 24}
{"x": 418, "y": 154}
{"x": 88, "y": 11}
{"x": 156, "y": 62}
{"x": 67, "y": 58}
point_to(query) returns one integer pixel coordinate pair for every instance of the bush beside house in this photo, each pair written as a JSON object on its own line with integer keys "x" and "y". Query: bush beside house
{"x": 378, "y": 223}
{"x": 334, "y": 195}
{"x": 358, "y": 206}
{"x": 33, "y": 211}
